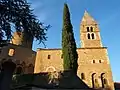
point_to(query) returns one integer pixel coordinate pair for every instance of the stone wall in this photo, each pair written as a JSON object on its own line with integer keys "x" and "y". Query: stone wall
{"x": 48, "y": 60}
{"x": 91, "y": 61}
{"x": 21, "y": 56}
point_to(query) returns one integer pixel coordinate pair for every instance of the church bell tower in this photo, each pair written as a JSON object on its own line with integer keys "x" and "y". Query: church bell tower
{"x": 89, "y": 32}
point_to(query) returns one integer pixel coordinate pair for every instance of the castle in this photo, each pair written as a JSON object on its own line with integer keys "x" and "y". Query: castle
{"x": 94, "y": 66}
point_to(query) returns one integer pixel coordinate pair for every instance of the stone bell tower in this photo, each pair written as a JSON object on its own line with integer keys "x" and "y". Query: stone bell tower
{"x": 94, "y": 65}
{"x": 89, "y": 32}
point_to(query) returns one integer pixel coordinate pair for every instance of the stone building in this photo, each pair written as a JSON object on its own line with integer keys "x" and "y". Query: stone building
{"x": 94, "y": 66}
{"x": 22, "y": 56}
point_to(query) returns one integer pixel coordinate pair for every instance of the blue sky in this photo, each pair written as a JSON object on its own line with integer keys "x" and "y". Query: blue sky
{"x": 105, "y": 12}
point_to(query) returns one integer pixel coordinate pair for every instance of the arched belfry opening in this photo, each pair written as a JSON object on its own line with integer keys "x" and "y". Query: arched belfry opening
{"x": 95, "y": 83}
{"x": 88, "y": 30}
{"x": 88, "y": 35}
{"x": 93, "y": 36}
{"x": 91, "y": 29}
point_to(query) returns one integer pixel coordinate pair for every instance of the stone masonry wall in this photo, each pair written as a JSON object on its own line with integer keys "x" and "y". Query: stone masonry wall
{"x": 22, "y": 57}
{"x": 85, "y": 62}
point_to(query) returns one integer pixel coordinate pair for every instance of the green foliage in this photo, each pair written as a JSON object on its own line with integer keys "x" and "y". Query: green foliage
{"x": 19, "y": 13}
{"x": 69, "y": 52}
{"x": 21, "y": 80}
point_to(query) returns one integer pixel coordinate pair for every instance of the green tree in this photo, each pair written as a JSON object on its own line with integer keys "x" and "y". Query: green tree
{"x": 19, "y": 13}
{"x": 69, "y": 52}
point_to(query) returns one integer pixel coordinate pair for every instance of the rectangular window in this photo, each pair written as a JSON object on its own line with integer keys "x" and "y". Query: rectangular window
{"x": 48, "y": 56}
{"x": 11, "y": 52}
{"x": 61, "y": 55}
{"x": 100, "y": 61}
{"x": 93, "y": 61}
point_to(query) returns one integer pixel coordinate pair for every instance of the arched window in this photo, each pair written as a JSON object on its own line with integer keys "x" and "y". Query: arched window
{"x": 19, "y": 70}
{"x": 83, "y": 76}
{"x": 91, "y": 28}
{"x": 88, "y": 29}
{"x": 88, "y": 36}
{"x": 93, "y": 37}
{"x": 95, "y": 83}
{"x": 104, "y": 81}
{"x": 93, "y": 61}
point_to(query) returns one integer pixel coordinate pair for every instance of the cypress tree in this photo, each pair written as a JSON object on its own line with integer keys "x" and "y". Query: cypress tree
{"x": 69, "y": 52}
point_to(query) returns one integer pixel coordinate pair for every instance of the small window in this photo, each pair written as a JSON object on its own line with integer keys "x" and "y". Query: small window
{"x": 83, "y": 76}
{"x": 93, "y": 61}
{"x": 11, "y": 52}
{"x": 93, "y": 37}
{"x": 88, "y": 29}
{"x": 62, "y": 56}
{"x": 100, "y": 61}
{"x": 48, "y": 56}
{"x": 91, "y": 28}
{"x": 88, "y": 36}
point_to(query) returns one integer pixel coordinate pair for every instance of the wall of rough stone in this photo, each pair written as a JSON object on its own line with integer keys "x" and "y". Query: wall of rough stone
{"x": 22, "y": 57}
{"x": 85, "y": 62}
{"x": 88, "y": 67}
{"x": 43, "y": 64}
